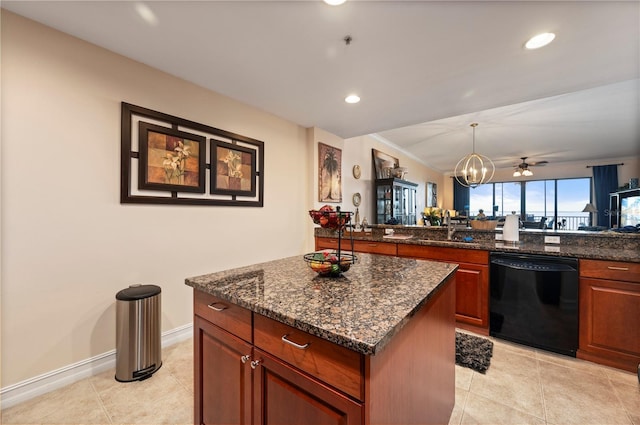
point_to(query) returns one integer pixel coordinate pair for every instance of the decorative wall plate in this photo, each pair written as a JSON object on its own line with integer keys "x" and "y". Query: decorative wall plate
{"x": 356, "y": 199}
{"x": 356, "y": 171}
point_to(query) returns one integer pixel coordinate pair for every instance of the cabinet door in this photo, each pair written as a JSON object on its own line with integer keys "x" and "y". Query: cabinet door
{"x": 374, "y": 247}
{"x": 286, "y": 396}
{"x": 472, "y": 294}
{"x": 472, "y": 279}
{"x": 326, "y": 243}
{"x": 222, "y": 381}
{"x": 609, "y": 330}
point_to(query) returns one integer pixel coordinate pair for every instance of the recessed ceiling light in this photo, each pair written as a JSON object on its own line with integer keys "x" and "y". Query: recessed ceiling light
{"x": 540, "y": 40}
{"x": 146, "y": 13}
{"x": 334, "y": 2}
{"x": 352, "y": 98}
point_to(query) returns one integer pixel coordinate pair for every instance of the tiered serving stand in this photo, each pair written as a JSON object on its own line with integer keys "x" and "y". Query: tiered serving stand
{"x": 331, "y": 264}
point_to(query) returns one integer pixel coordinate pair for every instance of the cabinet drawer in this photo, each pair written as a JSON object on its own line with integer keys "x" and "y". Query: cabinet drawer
{"x": 453, "y": 255}
{"x": 613, "y": 270}
{"x": 373, "y": 247}
{"x": 228, "y": 316}
{"x": 326, "y": 243}
{"x": 331, "y": 363}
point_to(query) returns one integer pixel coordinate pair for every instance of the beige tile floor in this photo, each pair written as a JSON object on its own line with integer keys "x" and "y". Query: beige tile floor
{"x": 522, "y": 386}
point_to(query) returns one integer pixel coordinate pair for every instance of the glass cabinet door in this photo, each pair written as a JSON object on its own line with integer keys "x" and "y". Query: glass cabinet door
{"x": 396, "y": 199}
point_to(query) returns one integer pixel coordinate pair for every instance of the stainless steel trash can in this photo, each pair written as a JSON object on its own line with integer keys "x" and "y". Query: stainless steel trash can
{"x": 138, "y": 342}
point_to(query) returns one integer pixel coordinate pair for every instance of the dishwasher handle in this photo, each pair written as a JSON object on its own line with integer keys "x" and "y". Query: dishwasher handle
{"x": 522, "y": 264}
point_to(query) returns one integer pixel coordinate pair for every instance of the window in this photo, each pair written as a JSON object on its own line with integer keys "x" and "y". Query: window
{"x": 560, "y": 201}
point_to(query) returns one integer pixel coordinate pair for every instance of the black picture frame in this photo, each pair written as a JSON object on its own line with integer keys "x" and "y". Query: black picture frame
{"x": 379, "y": 158}
{"x": 233, "y": 169}
{"x": 168, "y": 161}
{"x": 131, "y": 159}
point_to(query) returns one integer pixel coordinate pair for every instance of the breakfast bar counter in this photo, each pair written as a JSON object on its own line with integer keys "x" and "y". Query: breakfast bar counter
{"x": 374, "y": 346}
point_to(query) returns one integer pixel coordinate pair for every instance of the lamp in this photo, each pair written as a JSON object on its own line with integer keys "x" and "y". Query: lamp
{"x": 589, "y": 208}
{"x": 474, "y": 169}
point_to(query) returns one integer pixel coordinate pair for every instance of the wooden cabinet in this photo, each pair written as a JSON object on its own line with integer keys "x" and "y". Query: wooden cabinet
{"x": 285, "y": 396}
{"x": 223, "y": 393}
{"x": 472, "y": 280}
{"x": 370, "y": 247}
{"x": 610, "y": 313}
{"x": 395, "y": 198}
{"x": 325, "y": 361}
{"x": 284, "y": 376}
{"x": 237, "y": 383}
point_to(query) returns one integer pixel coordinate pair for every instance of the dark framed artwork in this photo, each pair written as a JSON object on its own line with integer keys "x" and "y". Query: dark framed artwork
{"x": 233, "y": 169}
{"x": 379, "y": 160}
{"x": 164, "y": 160}
{"x": 170, "y": 159}
{"x": 329, "y": 173}
{"x": 432, "y": 195}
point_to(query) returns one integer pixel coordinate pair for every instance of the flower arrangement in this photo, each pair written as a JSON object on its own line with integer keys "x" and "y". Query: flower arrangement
{"x": 174, "y": 164}
{"x": 432, "y": 215}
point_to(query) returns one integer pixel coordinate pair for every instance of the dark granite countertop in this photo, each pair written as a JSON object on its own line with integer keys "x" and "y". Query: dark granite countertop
{"x": 608, "y": 246}
{"x": 362, "y": 310}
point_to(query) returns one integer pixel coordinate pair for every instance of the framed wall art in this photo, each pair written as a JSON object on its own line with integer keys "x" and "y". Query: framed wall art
{"x": 379, "y": 159}
{"x": 233, "y": 169}
{"x": 165, "y": 159}
{"x": 432, "y": 195}
{"x": 170, "y": 159}
{"x": 329, "y": 173}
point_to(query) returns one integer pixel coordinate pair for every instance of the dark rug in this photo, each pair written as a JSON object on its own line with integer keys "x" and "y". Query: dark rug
{"x": 473, "y": 352}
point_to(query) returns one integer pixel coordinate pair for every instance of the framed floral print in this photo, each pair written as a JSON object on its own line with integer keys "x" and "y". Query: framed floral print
{"x": 233, "y": 169}
{"x": 167, "y": 160}
{"x": 170, "y": 159}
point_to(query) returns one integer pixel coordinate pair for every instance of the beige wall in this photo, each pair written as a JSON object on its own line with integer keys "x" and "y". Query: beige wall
{"x": 68, "y": 245}
{"x": 357, "y": 151}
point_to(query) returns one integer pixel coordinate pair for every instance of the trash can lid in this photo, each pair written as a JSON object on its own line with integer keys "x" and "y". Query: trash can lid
{"x": 138, "y": 292}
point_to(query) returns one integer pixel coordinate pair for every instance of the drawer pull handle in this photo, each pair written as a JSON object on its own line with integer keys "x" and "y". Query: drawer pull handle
{"x": 288, "y": 341}
{"x": 622, "y": 269}
{"x": 245, "y": 358}
{"x": 255, "y": 363}
{"x": 373, "y": 244}
{"x": 214, "y": 307}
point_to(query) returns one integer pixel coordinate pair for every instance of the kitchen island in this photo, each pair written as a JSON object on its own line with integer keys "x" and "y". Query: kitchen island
{"x": 275, "y": 343}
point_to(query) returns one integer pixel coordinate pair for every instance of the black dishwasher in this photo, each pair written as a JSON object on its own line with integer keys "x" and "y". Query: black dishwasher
{"x": 534, "y": 300}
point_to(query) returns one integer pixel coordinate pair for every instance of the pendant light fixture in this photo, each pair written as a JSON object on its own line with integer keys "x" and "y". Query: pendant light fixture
{"x": 474, "y": 169}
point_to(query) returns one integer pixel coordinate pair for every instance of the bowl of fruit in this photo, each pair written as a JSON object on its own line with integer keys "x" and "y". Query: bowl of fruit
{"x": 329, "y": 218}
{"x": 327, "y": 263}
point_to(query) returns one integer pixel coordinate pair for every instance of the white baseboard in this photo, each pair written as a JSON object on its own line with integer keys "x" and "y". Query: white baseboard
{"x": 42, "y": 384}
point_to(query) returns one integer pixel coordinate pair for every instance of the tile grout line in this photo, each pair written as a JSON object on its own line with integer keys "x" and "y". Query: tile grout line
{"x": 541, "y": 385}
{"x": 620, "y": 401}
{"x": 466, "y": 398}
{"x": 104, "y": 408}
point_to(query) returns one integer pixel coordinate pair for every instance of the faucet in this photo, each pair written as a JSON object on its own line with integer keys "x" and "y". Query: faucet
{"x": 450, "y": 229}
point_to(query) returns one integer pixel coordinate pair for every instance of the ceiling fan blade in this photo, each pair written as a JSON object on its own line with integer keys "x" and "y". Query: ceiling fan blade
{"x": 538, "y": 163}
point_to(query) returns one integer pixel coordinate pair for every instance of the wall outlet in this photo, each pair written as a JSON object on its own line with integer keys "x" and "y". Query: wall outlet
{"x": 552, "y": 239}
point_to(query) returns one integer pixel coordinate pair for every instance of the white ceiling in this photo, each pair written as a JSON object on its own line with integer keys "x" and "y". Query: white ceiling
{"x": 425, "y": 70}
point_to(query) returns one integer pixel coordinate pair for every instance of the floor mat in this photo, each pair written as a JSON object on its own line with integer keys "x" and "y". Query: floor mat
{"x": 473, "y": 352}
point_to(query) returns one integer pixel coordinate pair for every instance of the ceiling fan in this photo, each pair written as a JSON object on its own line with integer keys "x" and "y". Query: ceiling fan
{"x": 522, "y": 169}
